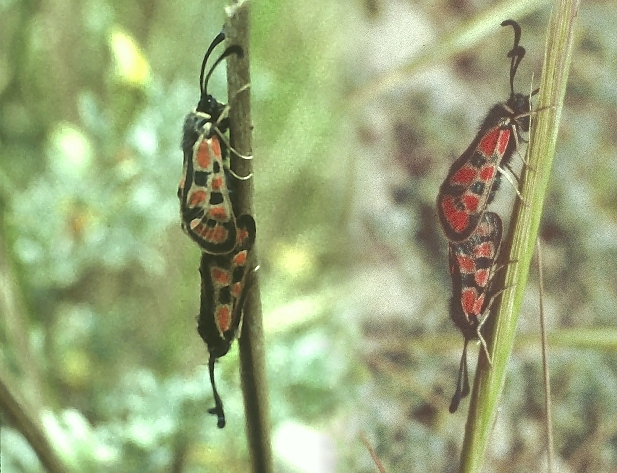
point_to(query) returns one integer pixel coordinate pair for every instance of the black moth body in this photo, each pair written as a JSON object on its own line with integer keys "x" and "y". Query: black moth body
{"x": 225, "y": 280}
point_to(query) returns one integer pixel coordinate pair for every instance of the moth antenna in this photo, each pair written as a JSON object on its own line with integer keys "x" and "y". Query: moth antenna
{"x": 218, "y": 40}
{"x": 235, "y": 49}
{"x": 217, "y": 410}
{"x": 517, "y": 57}
{"x": 517, "y": 31}
{"x": 517, "y": 53}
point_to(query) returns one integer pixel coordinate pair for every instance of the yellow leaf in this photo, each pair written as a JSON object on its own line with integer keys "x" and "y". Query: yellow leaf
{"x": 130, "y": 63}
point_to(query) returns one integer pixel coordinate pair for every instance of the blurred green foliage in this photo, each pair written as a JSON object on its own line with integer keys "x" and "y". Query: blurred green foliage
{"x": 92, "y": 99}
{"x": 429, "y": 122}
{"x": 101, "y": 289}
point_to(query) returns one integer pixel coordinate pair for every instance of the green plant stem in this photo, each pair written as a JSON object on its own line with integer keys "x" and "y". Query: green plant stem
{"x": 252, "y": 355}
{"x": 548, "y": 405}
{"x": 489, "y": 382}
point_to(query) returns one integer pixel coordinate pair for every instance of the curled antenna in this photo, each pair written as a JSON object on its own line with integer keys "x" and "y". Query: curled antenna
{"x": 218, "y": 40}
{"x": 235, "y": 49}
{"x": 517, "y": 53}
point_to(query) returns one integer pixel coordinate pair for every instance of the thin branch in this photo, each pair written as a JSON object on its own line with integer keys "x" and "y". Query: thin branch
{"x": 372, "y": 452}
{"x": 24, "y": 419}
{"x": 14, "y": 324}
{"x": 252, "y": 356}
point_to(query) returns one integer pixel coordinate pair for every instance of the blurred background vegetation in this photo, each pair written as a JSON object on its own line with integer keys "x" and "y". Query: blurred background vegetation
{"x": 100, "y": 289}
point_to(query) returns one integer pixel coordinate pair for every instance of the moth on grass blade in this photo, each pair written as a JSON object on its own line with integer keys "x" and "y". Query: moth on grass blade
{"x": 475, "y": 176}
{"x": 472, "y": 267}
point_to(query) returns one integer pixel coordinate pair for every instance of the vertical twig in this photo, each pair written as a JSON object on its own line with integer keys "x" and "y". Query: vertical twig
{"x": 489, "y": 383}
{"x": 25, "y": 419}
{"x": 14, "y": 323}
{"x": 20, "y": 401}
{"x": 547, "y": 379}
{"x": 252, "y": 356}
{"x": 372, "y": 453}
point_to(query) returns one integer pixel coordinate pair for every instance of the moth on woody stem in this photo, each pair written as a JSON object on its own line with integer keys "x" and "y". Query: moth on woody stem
{"x": 223, "y": 289}
{"x": 208, "y": 217}
{"x": 474, "y": 177}
{"x": 206, "y": 210}
{"x": 472, "y": 267}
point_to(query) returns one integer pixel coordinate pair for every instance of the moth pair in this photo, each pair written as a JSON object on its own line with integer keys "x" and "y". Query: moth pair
{"x": 208, "y": 218}
{"x": 475, "y": 234}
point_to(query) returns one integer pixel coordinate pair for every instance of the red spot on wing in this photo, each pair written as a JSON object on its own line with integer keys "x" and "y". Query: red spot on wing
{"x": 216, "y": 146}
{"x": 469, "y": 298}
{"x": 502, "y": 143}
{"x": 242, "y": 235}
{"x": 240, "y": 258}
{"x": 487, "y": 174}
{"x": 218, "y": 213}
{"x": 236, "y": 289}
{"x": 471, "y": 202}
{"x": 477, "y": 308}
{"x": 217, "y": 183}
{"x": 472, "y": 304}
{"x": 488, "y": 143}
{"x": 223, "y": 318}
{"x": 495, "y": 142}
{"x": 464, "y": 176}
{"x": 220, "y": 276}
{"x": 203, "y": 155}
{"x": 458, "y": 219}
{"x": 484, "y": 250}
{"x": 482, "y": 277}
{"x": 217, "y": 234}
{"x": 466, "y": 264}
{"x": 197, "y": 198}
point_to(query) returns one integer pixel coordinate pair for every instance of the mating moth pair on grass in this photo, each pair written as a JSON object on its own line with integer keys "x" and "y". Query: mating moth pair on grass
{"x": 475, "y": 234}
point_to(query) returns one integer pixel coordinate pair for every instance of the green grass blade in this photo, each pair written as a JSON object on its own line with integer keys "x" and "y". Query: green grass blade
{"x": 489, "y": 382}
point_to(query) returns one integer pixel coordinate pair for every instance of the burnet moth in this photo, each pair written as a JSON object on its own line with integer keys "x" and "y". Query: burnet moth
{"x": 208, "y": 217}
{"x": 223, "y": 290}
{"x": 474, "y": 177}
{"x": 205, "y": 208}
{"x": 472, "y": 267}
